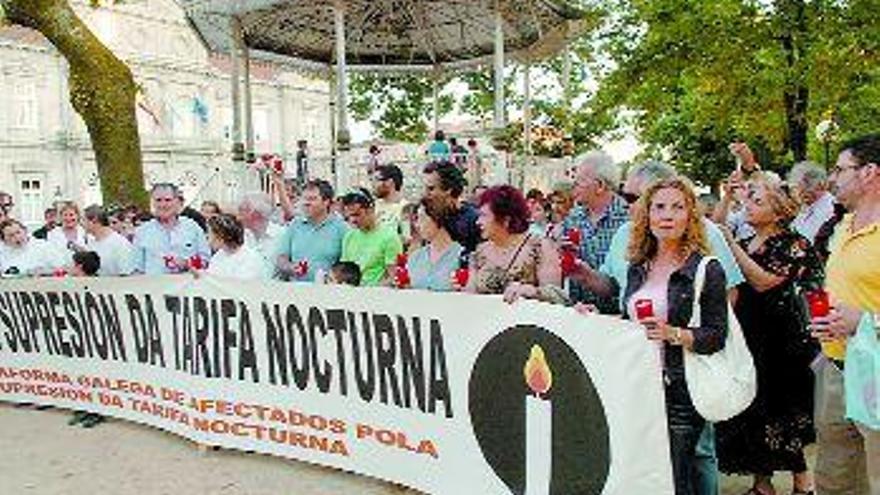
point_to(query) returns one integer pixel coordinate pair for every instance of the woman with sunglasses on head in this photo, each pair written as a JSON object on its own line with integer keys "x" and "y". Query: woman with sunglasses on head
{"x": 667, "y": 245}
{"x": 512, "y": 261}
{"x": 771, "y": 434}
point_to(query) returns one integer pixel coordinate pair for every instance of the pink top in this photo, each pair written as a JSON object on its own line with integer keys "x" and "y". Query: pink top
{"x": 656, "y": 291}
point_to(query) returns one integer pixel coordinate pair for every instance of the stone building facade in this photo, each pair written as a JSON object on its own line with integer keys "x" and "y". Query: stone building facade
{"x": 184, "y": 110}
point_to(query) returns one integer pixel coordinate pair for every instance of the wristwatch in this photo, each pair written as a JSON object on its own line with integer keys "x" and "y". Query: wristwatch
{"x": 675, "y": 338}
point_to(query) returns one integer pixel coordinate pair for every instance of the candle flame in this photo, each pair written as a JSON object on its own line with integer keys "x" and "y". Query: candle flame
{"x": 537, "y": 371}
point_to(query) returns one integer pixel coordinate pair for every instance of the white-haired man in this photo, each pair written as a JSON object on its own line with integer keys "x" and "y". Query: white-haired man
{"x": 809, "y": 182}
{"x": 255, "y": 211}
{"x": 600, "y": 212}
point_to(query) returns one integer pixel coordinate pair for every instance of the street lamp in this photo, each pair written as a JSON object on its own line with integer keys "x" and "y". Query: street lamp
{"x": 826, "y": 132}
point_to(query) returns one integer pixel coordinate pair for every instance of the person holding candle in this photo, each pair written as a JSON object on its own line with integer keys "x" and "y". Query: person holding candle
{"x": 512, "y": 261}
{"x": 69, "y": 235}
{"x": 848, "y": 457}
{"x": 166, "y": 243}
{"x": 373, "y": 246}
{"x": 430, "y": 266}
{"x": 311, "y": 242}
{"x": 777, "y": 263}
{"x": 667, "y": 243}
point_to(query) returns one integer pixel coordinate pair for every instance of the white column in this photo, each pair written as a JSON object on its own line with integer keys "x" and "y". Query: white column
{"x": 527, "y": 107}
{"x": 235, "y": 45}
{"x": 341, "y": 82}
{"x": 499, "y": 67}
{"x": 248, "y": 103}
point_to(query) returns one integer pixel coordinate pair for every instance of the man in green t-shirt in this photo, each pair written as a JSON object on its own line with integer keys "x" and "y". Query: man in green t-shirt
{"x": 373, "y": 246}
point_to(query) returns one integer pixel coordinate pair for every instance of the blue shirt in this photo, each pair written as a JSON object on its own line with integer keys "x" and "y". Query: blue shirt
{"x": 595, "y": 243}
{"x": 320, "y": 245}
{"x": 425, "y": 274}
{"x": 616, "y": 265}
{"x": 153, "y": 241}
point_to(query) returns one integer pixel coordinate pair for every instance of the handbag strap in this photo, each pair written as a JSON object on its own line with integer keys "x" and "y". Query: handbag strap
{"x": 699, "y": 282}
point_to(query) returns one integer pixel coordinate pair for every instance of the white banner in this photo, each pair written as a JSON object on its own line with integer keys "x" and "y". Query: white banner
{"x": 446, "y": 393}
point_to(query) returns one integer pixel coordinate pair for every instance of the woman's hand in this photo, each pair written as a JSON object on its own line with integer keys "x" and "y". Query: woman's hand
{"x": 516, "y": 290}
{"x": 656, "y": 329}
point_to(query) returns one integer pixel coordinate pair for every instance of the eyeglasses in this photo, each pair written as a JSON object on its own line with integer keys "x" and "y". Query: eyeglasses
{"x": 629, "y": 197}
{"x": 837, "y": 169}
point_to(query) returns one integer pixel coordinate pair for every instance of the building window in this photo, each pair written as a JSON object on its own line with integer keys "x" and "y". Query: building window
{"x": 30, "y": 200}
{"x": 24, "y": 105}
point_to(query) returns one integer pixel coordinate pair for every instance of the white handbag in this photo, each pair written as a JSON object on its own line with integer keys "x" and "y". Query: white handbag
{"x": 722, "y": 384}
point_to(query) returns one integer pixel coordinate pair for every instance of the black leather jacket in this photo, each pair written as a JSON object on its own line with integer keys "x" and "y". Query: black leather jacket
{"x": 710, "y": 336}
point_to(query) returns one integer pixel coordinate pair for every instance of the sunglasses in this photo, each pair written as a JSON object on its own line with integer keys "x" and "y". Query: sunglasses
{"x": 629, "y": 197}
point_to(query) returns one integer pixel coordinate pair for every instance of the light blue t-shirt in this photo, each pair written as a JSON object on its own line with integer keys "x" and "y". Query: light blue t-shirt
{"x": 433, "y": 276}
{"x": 616, "y": 265}
{"x": 152, "y": 242}
{"x": 320, "y": 245}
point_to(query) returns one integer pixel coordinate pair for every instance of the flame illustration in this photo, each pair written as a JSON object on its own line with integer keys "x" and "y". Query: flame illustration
{"x": 537, "y": 371}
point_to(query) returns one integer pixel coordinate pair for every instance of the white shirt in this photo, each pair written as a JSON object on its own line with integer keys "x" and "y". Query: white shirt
{"x": 115, "y": 253}
{"x": 35, "y": 256}
{"x": 811, "y": 218}
{"x": 58, "y": 239}
{"x": 244, "y": 264}
{"x": 267, "y": 246}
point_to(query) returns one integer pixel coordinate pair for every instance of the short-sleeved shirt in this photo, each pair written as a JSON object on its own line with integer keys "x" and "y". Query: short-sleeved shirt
{"x": 372, "y": 251}
{"x": 616, "y": 265}
{"x": 268, "y": 245}
{"x": 438, "y": 150}
{"x": 244, "y": 264}
{"x": 390, "y": 214}
{"x": 115, "y": 254}
{"x": 426, "y": 274}
{"x": 153, "y": 241}
{"x": 318, "y": 244}
{"x": 595, "y": 242}
{"x": 853, "y": 271}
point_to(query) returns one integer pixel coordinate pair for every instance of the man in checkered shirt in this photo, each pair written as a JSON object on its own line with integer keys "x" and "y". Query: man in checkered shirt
{"x": 598, "y": 215}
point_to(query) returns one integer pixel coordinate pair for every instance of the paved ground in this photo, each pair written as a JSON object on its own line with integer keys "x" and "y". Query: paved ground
{"x": 41, "y": 455}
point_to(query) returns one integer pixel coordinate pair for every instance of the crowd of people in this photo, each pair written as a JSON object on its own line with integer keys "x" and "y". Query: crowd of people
{"x": 770, "y": 250}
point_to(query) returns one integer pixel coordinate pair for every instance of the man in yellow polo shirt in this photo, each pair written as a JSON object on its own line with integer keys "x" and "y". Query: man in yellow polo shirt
{"x": 849, "y": 452}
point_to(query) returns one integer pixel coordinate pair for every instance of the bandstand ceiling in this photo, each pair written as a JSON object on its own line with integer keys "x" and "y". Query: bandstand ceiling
{"x": 408, "y": 35}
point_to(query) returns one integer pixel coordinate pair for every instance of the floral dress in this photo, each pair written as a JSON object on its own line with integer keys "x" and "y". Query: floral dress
{"x": 770, "y": 435}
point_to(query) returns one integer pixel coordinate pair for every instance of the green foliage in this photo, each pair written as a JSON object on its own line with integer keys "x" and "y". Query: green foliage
{"x": 698, "y": 74}
{"x": 399, "y": 107}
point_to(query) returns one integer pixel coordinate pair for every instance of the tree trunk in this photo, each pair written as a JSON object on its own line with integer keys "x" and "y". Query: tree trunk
{"x": 796, "y": 95}
{"x": 102, "y": 91}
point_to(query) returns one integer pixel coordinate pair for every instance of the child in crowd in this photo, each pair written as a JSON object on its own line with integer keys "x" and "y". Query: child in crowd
{"x": 345, "y": 273}
{"x": 85, "y": 264}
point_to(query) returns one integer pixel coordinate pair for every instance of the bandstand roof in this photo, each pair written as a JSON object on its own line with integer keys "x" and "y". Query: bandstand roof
{"x": 390, "y": 35}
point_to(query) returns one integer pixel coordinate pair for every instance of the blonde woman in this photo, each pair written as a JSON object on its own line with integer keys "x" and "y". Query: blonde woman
{"x": 69, "y": 235}
{"x": 771, "y": 434}
{"x": 667, "y": 244}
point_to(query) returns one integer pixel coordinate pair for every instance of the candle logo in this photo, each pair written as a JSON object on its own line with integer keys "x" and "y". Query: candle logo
{"x": 537, "y": 372}
{"x": 536, "y": 415}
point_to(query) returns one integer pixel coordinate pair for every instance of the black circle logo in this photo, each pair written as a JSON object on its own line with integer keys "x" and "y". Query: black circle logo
{"x": 529, "y": 361}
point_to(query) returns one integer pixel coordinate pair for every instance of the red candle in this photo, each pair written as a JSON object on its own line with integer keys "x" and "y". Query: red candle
{"x": 196, "y": 262}
{"x": 302, "y": 267}
{"x": 461, "y": 276}
{"x": 820, "y": 306}
{"x": 402, "y": 258}
{"x": 574, "y": 236}
{"x": 644, "y": 308}
{"x": 568, "y": 262}
{"x": 278, "y": 165}
{"x": 401, "y": 277}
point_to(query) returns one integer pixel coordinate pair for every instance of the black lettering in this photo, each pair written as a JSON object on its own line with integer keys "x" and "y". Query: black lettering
{"x": 365, "y": 374}
{"x": 276, "y": 345}
{"x": 336, "y": 323}
{"x": 439, "y": 387}
{"x": 412, "y": 362}
{"x": 59, "y": 324}
{"x": 385, "y": 357}
{"x": 247, "y": 358}
{"x": 322, "y": 375}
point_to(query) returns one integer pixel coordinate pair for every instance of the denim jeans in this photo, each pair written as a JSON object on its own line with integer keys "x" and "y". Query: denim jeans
{"x": 685, "y": 428}
{"x": 706, "y": 463}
